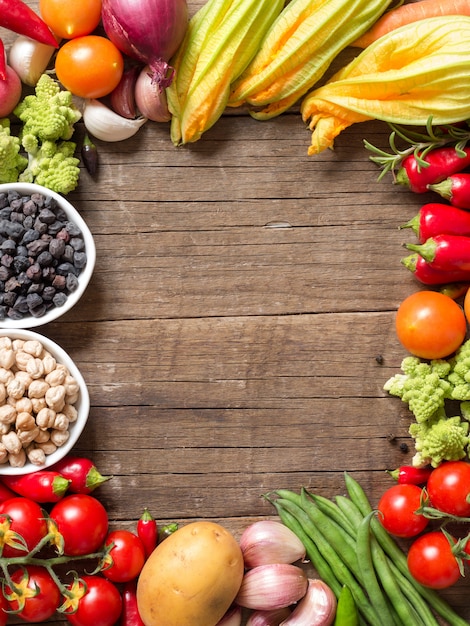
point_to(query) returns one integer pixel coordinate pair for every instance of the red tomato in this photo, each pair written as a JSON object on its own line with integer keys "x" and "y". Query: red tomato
{"x": 431, "y": 561}
{"x": 69, "y": 18}
{"x": 127, "y": 554}
{"x": 449, "y": 488}
{"x": 38, "y": 591}
{"x": 27, "y": 519}
{"x": 83, "y": 523}
{"x": 4, "y": 607}
{"x": 100, "y": 606}
{"x": 89, "y": 66}
{"x": 397, "y": 508}
{"x": 430, "y": 325}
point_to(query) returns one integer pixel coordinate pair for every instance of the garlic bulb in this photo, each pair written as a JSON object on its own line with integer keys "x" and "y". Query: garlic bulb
{"x": 317, "y": 607}
{"x": 272, "y": 586}
{"x": 103, "y": 123}
{"x": 269, "y": 541}
{"x": 29, "y": 59}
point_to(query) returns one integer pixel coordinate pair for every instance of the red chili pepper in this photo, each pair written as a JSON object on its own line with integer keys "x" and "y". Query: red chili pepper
{"x": 439, "y": 219}
{"x": 82, "y": 473}
{"x": 130, "y": 613}
{"x": 3, "y": 63}
{"x": 6, "y": 493}
{"x": 442, "y": 162}
{"x": 148, "y": 532}
{"x": 409, "y": 475}
{"x": 450, "y": 253}
{"x": 41, "y": 486}
{"x": 456, "y": 189}
{"x": 428, "y": 274}
{"x": 17, "y": 16}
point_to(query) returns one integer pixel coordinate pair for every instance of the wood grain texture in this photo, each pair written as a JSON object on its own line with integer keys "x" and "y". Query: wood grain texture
{"x": 239, "y": 326}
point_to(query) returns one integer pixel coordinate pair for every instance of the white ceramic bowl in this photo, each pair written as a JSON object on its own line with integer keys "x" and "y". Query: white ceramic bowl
{"x": 30, "y": 321}
{"x": 82, "y": 405}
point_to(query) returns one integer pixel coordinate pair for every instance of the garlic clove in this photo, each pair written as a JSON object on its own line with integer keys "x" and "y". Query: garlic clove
{"x": 268, "y": 618}
{"x": 233, "y": 617}
{"x": 103, "y": 123}
{"x": 317, "y": 607}
{"x": 29, "y": 59}
{"x": 150, "y": 99}
{"x": 269, "y": 541}
{"x": 272, "y": 586}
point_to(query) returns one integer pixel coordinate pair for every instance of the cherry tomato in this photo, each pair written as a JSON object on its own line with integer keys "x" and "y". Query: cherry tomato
{"x": 101, "y": 605}
{"x": 127, "y": 554}
{"x": 83, "y": 523}
{"x": 89, "y": 66}
{"x": 27, "y": 519}
{"x": 430, "y": 325}
{"x": 397, "y": 508}
{"x": 4, "y": 607}
{"x": 449, "y": 488}
{"x": 431, "y": 561}
{"x": 39, "y": 596}
{"x": 69, "y": 18}
{"x": 466, "y": 305}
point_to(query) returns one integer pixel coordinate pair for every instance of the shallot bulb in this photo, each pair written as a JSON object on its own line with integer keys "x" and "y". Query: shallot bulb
{"x": 151, "y": 101}
{"x": 268, "y": 618}
{"x": 317, "y": 607}
{"x": 149, "y": 31}
{"x": 233, "y": 617}
{"x": 269, "y": 541}
{"x": 272, "y": 586}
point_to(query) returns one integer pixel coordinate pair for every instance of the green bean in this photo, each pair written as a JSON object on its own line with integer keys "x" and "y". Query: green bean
{"x": 319, "y": 563}
{"x": 412, "y": 594}
{"x": 331, "y": 509}
{"x": 341, "y": 571}
{"x": 350, "y": 510}
{"x": 396, "y": 554}
{"x": 369, "y": 577}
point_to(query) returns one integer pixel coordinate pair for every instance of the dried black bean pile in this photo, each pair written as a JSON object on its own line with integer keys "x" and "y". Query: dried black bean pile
{"x": 41, "y": 255}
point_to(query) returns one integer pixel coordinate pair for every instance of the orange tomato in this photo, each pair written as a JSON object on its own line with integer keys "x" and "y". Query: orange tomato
{"x": 430, "y": 325}
{"x": 466, "y": 305}
{"x": 89, "y": 66}
{"x": 71, "y": 18}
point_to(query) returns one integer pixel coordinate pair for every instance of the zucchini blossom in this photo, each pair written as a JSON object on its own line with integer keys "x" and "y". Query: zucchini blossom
{"x": 439, "y": 439}
{"x": 422, "y": 385}
{"x": 416, "y": 72}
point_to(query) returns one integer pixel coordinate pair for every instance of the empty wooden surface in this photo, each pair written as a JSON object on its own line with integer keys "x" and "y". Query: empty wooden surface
{"x": 239, "y": 326}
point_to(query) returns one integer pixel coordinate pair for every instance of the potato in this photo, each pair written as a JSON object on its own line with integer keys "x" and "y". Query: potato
{"x": 191, "y": 578}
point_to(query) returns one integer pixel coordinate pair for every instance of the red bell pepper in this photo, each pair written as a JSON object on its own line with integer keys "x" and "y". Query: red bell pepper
{"x": 17, "y": 16}
{"x": 456, "y": 189}
{"x": 427, "y": 274}
{"x": 449, "y": 253}
{"x": 439, "y": 219}
{"x": 442, "y": 162}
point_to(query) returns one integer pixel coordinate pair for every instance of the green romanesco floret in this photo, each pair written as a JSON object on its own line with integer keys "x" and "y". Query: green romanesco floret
{"x": 439, "y": 439}
{"x": 12, "y": 163}
{"x": 49, "y": 113}
{"x": 422, "y": 385}
{"x": 459, "y": 375}
{"x": 51, "y": 164}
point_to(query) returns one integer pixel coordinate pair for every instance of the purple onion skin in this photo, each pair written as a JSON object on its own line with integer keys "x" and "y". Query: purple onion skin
{"x": 149, "y": 31}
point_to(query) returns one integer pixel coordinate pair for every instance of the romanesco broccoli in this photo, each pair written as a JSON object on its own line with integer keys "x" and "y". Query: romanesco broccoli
{"x": 459, "y": 375}
{"x": 49, "y": 113}
{"x": 51, "y": 164}
{"x": 439, "y": 439}
{"x": 422, "y": 385}
{"x": 11, "y": 161}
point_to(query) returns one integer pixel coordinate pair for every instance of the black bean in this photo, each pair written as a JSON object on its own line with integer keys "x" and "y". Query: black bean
{"x": 48, "y": 293}
{"x": 47, "y": 216}
{"x": 57, "y": 248}
{"x": 45, "y": 259}
{"x": 8, "y": 246}
{"x": 59, "y": 299}
{"x": 71, "y": 282}
{"x": 73, "y": 229}
{"x": 67, "y": 268}
{"x": 79, "y": 260}
{"x": 21, "y": 263}
{"x": 29, "y": 236}
{"x": 13, "y": 314}
{"x": 33, "y": 300}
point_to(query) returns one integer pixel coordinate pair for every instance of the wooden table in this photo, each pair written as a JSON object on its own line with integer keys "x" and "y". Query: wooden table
{"x": 239, "y": 326}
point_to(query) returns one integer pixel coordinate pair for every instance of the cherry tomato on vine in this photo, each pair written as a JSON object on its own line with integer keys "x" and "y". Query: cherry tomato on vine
{"x": 27, "y": 519}
{"x": 89, "y": 66}
{"x": 431, "y": 561}
{"x": 38, "y": 597}
{"x": 397, "y": 508}
{"x": 82, "y": 521}
{"x": 127, "y": 554}
{"x": 68, "y": 18}
{"x": 449, "y": 488}
{"x": 430, "y": 325}
{"x": 100, "y": 605}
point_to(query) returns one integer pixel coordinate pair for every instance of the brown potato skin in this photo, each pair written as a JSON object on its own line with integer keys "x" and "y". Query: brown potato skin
{"x": 191, "y": 578}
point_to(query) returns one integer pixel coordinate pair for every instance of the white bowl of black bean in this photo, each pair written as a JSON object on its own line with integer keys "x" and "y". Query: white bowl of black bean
{"x": 47, "y": 255}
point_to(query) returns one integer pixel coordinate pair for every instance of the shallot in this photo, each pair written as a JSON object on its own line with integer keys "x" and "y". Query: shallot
{"x": 269, "y": 541}
{"x": 149, "y": 31}
{"x": 317, "y": 607}
{"x": 272, "y": 586}
{"x": 151, "y": 101}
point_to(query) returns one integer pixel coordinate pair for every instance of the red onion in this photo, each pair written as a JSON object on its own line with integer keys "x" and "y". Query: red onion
{"x": 147, "y": 30}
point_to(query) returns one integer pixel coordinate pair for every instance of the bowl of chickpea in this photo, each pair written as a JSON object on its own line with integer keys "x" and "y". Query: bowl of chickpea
{"x": 44, "y": 402}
